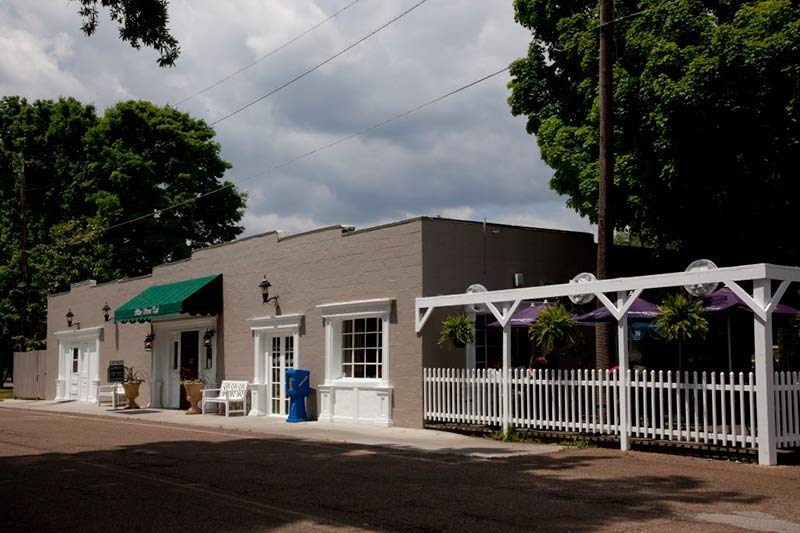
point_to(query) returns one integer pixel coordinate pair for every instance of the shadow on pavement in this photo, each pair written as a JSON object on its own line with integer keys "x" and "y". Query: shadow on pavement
{"x": 261, "y": 483}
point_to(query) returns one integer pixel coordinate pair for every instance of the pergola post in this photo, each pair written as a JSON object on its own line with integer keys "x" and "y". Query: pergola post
{"x": 506, "y": 368}
{"x": 765, "y": 398}
{"x": 622, "y": 344}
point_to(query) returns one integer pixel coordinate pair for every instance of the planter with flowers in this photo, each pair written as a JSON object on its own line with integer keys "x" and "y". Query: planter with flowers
{"x": 193, "y": 387}
{"x": 131, "y": 381}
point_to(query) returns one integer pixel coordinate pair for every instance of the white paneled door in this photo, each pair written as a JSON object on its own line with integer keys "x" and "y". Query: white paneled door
{"x": 280, "y": 357}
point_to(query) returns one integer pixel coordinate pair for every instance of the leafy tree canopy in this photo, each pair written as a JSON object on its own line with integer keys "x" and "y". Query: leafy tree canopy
{"x": 707, "y": 118}
{"x": 140, "y": 22}
{"x": 84, "y": 174}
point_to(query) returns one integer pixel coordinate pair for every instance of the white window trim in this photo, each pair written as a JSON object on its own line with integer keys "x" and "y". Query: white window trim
{"x": 333, "y": 314}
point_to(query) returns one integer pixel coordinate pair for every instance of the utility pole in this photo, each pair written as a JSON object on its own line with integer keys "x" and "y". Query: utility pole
{"x": 605, "y": 223}
{"x": 23, "y": 245}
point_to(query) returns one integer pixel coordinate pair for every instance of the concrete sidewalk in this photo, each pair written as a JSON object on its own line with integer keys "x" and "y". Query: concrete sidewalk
{"x": 420, "y": 440}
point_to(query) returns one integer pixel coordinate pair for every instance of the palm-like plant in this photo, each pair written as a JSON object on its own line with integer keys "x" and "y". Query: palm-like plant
{"x": 456, "y": 331}
{"x": 681, "y": 319}
{"x": 555, "y": 326}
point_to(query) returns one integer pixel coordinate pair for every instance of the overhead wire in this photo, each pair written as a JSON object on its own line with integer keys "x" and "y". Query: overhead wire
{"x": 268, "y": 54}
{"x": 318, "y": 65}
{"x": 322, "y": 148}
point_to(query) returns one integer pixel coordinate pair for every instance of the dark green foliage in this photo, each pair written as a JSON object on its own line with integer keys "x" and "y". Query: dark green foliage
{"x": 140, "y": 22}
{"x": 85, "y": 173}
{"x": 456, "y": 331}
{"x": 707, "y": 118}
{"x": 554, "y": 327}
{"x": 681, "y": 318}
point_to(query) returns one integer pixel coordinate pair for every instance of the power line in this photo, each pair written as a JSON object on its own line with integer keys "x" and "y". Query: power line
{"x": 268, "y": 54}
{"x": 319, "y": 65}
{"x": 318, "y": 149}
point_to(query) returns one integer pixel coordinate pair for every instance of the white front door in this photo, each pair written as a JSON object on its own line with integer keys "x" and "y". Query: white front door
{"x": 78, "y": 361}
{"x": 280, "y": 356}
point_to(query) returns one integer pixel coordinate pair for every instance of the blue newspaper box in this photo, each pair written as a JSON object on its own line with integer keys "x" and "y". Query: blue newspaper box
{"x": 297, "y": 388}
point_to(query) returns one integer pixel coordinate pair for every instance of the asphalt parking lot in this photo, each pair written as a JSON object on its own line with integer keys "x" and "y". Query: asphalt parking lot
{"x": 79, "y": 473}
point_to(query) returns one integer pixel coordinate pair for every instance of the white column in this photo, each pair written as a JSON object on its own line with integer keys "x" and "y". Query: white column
{"x": 61, "y": 382}
{"x": 765, "y": 401}
{"x": 622, "y": 343}
{"x": 470, "y": 350}
{"x": 94, "y": 367}
{"x": 506, "y": 370}
{"x": 258, "y": 390}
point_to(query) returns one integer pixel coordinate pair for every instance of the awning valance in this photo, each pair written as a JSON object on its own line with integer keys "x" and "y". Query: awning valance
{"x": 199, "y": 296}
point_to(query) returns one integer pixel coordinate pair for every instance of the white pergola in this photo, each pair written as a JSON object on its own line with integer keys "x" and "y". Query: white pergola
{"x": 618, "y": 294}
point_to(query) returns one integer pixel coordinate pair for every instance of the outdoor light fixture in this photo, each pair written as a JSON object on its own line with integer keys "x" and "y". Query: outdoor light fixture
{"x": 69, "y": 316}
{"x": 209, "y": 334}
{"x": 106, "y": 309}
{"x": 265, "y": 285}
{"x": 148, "y": 342}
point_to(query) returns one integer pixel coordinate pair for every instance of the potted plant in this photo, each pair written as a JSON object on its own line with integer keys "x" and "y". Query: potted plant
{"x": 554, "y": 330}
{"x": 681, "y": 319}
{"x": 193, "y": 387}
{"x": 456, "y": 331}
{"x": 131, "y": 381}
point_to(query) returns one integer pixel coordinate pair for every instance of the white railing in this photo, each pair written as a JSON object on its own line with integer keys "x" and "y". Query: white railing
{"x": 714, "y": 408}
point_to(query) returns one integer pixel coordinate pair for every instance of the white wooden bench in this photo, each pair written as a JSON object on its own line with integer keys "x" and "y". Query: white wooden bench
{"x": 229, "y": 392}
{"x": 114, "y": 392}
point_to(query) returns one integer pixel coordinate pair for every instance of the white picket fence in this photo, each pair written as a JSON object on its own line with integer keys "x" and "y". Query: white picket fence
{"x": 710, "y": 408}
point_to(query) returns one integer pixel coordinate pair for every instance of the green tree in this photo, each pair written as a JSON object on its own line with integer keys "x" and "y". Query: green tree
{"x": 86, "y": 174}
{"x": 140, "y": 22}
{"x": 143, "y": 159}
{"x": 707, "y": 118}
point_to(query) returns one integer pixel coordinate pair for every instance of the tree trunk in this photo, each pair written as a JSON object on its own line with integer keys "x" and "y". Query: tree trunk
{"x": 605, "y": 224}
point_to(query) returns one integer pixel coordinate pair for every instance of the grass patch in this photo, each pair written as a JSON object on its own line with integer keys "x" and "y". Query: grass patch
{"x": 578, "y": 443}
{"x": 6, "y": 394}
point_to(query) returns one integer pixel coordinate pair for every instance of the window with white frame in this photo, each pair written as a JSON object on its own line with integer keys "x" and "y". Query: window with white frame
{"x": 362, "y": 348}
{"x": 357, "y": 340}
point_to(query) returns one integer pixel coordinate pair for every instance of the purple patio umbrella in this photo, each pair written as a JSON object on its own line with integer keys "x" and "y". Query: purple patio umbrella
{"x": 524, "y": 317}
{"x": 725, "y": 300}
{"x": 641, "y": 309}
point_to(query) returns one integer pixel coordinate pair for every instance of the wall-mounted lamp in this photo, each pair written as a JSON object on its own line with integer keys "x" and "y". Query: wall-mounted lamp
{"x": 148, "y": 342}
{"x": 207, "y": 337}
{"x": 209, "y": 334}
{"x": 265, "y": 285}
{"x": 106, "y": 310}
{"x": 69, "y": 317}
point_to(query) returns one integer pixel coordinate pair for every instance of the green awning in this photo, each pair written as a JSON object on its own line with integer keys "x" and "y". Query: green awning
{"x": 199, "y": 296}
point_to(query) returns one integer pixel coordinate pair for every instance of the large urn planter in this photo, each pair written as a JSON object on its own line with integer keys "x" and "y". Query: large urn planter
{"x": 194, "y": 392}
{"x": 131, "y": 393}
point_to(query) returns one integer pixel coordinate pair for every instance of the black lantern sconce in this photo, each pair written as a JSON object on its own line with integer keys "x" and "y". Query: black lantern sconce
{"x": 148, "y": 342}
{"x": 209, "y": 334}
{"x": 265, "y": 285}
{"x": 106, "y": 310}
{"x": 207, "y": 337}
{"x": 70, "y": 315}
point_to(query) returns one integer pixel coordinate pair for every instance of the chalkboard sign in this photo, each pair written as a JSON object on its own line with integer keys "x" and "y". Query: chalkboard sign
{"x": 116, "y": 371}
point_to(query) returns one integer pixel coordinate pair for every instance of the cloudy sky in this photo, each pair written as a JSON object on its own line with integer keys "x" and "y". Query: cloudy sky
{"x": 465, "y": 157}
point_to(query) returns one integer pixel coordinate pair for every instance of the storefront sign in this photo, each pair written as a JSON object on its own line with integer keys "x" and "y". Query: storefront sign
{"x": 116, "y": 371}
{"x": 146, "y": 311}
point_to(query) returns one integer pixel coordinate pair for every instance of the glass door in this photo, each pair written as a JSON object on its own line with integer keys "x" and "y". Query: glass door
{"x": 281, "y": 357}
{"x": 189, "y": 359}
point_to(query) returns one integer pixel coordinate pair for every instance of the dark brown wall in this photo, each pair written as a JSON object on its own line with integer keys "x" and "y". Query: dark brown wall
{"x": 457, "y": 254}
